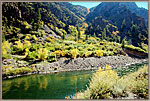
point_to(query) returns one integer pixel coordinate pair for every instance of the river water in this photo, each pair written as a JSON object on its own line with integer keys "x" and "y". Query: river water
{"x": 49, "y": 86}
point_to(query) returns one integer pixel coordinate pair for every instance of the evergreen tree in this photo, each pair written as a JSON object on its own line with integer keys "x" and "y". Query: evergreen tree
{"x": 104, "y": 34}
{"x": 129, "y": 42}
{"x": 3, "y": 37}
{"x": 123, "y": 42}
{"x": 38, "y": 19}
{"x": 94, "y": 35}
{"x": 86, "y": 38}
{"x": 79, "y": 33}
{"x": 97, "y": 28}
{"x": 123, "y": 25}
{"x": 64, "y": 36}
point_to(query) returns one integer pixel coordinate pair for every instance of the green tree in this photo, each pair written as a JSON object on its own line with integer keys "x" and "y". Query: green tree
{"x": 3, "y": 37}
{"x": 86, "y": 38}
{"x": 123, "y": 42}
{"x": 123, "y": 25}
{"x": 79, "y": 33}
{"x": 63, "y": 36}
{"x": 129, "y": 42}
{"x": 104, "y": 34}
{"x": 94, "y": 35}
{"x": 38, "y": 19}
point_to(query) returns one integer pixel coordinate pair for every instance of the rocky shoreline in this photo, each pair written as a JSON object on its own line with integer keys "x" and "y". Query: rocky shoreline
{"x": 65, "y": 65}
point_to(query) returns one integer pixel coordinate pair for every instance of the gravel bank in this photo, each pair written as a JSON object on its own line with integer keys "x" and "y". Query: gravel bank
{"x": 89, "y": 63}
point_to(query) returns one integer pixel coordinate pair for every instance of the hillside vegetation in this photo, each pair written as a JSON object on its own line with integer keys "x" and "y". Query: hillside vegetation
{"x": 47, "y": 31}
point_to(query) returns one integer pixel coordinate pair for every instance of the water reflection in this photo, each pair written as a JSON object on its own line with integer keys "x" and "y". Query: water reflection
{"x": 43, "y": 82}
{"x": 50, "y": 86}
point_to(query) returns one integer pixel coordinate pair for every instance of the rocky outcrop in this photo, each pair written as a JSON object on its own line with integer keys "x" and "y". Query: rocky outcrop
{"x": 135, "y": 53}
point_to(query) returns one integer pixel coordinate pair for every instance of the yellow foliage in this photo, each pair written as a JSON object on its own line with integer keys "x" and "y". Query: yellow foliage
{"x": 42, "y": 32}
{"x": 101, "y": 85}
{"x": 6, "y": 67}
{"x": 58, "y": 52}
{"x": 42, "y": 53}
{"x": 26, "y": 44}
{"x": 26, "y": 51}
{"x": 63, "y": 53}
{"x": 74, "y": 53}
{"x": 92, "y": 38}
{"x": 87, "y": 53}
{"x": 114, "y": 33}
{"x": 5, "y": 47}
{"x": 48, "y": 39}
{"x": 27, "y": 37}
{"x": 105, "y": 82}
{"x": 80, "y": 41}
{"x": 82, "y": 32}
{"x": 34, "y": 37}
{"x": 73, "y": 30}
{"x": 19, "y": 45}
{"x": 117, "y": 31}
{"x": 99, "y": 53}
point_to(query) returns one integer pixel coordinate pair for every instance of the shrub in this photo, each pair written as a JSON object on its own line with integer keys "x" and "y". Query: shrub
{"x": 106, "y": 84}
{"x": 51, "y": 48}
{"x": 58, "y": 53}
{"x": 19, "y": 46}
{"x": 27, "y": 26}
{"x": 87, "y": 53}
{"x": 6, "y": 50}
{"x": 27, "y": 37}
{"x": 100, "y": 86}
{"x": 27, "y": 44}
{"x": 57, "y": 46}
{"x": 63, "y": 53}
{"x": 99, "y": 53}
{"x": 34, "y": 47}
{"x": 50, "y": 39}
{"x": 6, "y": 56}
{"x": 52, "y": 57}
{"x": 34, "y": 37}
{"x": 32, "y": 55}
{"x": 15, "y": 71}
{"x": 138, "y": 82}
{"x": 42, "y": 53}
{"x": 35, "y": 33}
{"x": 81, "y": 53}
{"x": 41, "y": 32}
{"x": 74, "y": 53}
{"x": 26, "y": 52}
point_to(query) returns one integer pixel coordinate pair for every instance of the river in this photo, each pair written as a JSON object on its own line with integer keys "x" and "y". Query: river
{"x": 49, "y": 86}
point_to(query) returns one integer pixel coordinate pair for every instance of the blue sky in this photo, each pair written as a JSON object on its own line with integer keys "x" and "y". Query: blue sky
{"x": 92, "y": 4}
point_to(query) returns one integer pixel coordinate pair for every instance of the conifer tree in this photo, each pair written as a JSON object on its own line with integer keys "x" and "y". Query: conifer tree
{"x": 38, "y": 19}
{"x": 86, "y": 38}
{"x": 63, "y": 36}
{"x": 123, "y": 25}
{"x": 79, "y": 33}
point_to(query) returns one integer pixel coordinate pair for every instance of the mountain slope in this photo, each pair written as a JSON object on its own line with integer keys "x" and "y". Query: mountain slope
{"x": 66, "y": 12}
{"x": 128, "y": 23}
{"x": 80, "y": 11}
{"x": 139, "y": 11}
